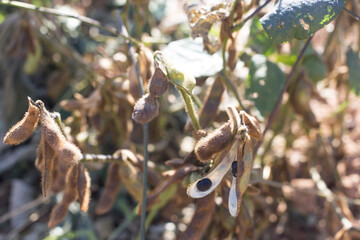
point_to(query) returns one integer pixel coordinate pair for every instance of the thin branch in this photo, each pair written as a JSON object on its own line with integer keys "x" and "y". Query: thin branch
{"x": 146, "y": 126}
{"x": 238, "y": 26}
{"x": 352, "y": 14}
{"x": 284, "y": 89}
{"x": 271, "y": 183}
{"x": 24, "y": 208}
{"x": 55, "y": 12}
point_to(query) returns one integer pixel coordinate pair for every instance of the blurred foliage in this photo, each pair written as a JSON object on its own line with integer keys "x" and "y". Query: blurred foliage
{"x": 207, "y": 68}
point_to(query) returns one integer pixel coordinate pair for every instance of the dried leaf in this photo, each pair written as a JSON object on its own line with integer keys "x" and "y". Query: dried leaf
{"x": 112, "y": 186}
{"x": 201, "y": 219}
{"x": 132, "y": 179}
{"x": 174, "y": 176}
{"x": 83, "y": 185}
{"x": 145, "y": 62}
{"x": 202, "y": 17}
{"x": 211, "y": 103}
{"x": 25, "y": 127}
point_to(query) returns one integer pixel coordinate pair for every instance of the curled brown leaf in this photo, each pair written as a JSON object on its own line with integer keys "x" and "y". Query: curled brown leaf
{"x": 112, "y": 186}
{"x": 173, "y": 176}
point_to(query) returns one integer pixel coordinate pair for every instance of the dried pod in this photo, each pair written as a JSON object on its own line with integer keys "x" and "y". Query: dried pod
{"x": 201, "y": 219}
{"x": 158, "y": 83}
{"x": 64, "y": 149}
{"x": 145, "y": 109}
{"x": 242, "y": 179}
{"x": 213, "y": 142}
{"x": 59, "y": 175}
{"x": 84, "y": 183}
{"x": 253, "y": 125}
{"x": 207, "y": 184}
{"x": 39, "y": 161}
{"x": 112, "y": 186}
{"x": 59, "y": 212}
{"x": 48, "y": 156}
{"x": 25, "y": 127}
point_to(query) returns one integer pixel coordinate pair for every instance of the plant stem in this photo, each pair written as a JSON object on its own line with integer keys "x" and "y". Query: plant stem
{"x": 189, "y": 106}
{"x": 55, "y": 12}
{"x": 284, "y": 89}
{"x": 146, "y": 125}
{"x": 238, "y": 26}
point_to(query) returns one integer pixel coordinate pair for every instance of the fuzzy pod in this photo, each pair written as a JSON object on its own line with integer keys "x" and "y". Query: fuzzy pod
{"x": 158, "y": 83}
{"x": 22, "y": 130}
{"x": 60, "y": 211}
{"x": 83, "y": 185}
{"x": 112, "y": 186}
{"x": 65, "y": 150}
{"x": 145, "y": 109}
{"x": 253, "y": 125}
{"x": 48, "y": 155}
{"x": 213, "y": 142}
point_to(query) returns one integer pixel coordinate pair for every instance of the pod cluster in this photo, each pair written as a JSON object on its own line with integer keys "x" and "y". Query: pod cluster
{"x": 230, "y": 146}
{"x": 146, "y": 108}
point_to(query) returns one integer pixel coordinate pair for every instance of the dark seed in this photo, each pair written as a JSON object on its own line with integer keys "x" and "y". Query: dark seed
{"x": 234, "y": 168}
{"x": 204, "y": 184}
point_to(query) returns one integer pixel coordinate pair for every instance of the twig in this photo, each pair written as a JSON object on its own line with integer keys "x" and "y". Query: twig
{"x": 146, "y": 126}
{"x": 238, "y": 26}
{"x": 271, "y": 183}
{"x": 24, "y": 208}
{"x": 55, "y": 12}
{"x": 352, "y": 14}
{"x": 329, "y": 196}
{"x": 284, "y": 89}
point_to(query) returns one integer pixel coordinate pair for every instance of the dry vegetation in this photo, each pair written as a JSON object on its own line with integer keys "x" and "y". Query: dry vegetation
{"x": 230, "y": 135}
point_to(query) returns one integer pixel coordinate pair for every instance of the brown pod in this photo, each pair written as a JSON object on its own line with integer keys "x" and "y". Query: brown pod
{"x": 65, "y": 150}
{"x": 213, "y": 142}
{"x": 25, "y": 127}
{"x": 112, "y": 186}
{"x": 253, "y": 125}
{"x": 145, "y": 109}
{"x": 59, "y": 212}
{"x": 158, "y": 83}
{"x": 48, "y": 156}
{"x": 84, "y": 183}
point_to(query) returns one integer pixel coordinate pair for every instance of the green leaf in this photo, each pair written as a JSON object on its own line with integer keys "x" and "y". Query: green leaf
{"x": 314, "y": 65}
{"x": 189, "y": 54}
{"x": 264, "y": 83}
{"x": 299, "y": 19}
{"x": 261, "y": 43}
{"x": 353, "y": 63}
